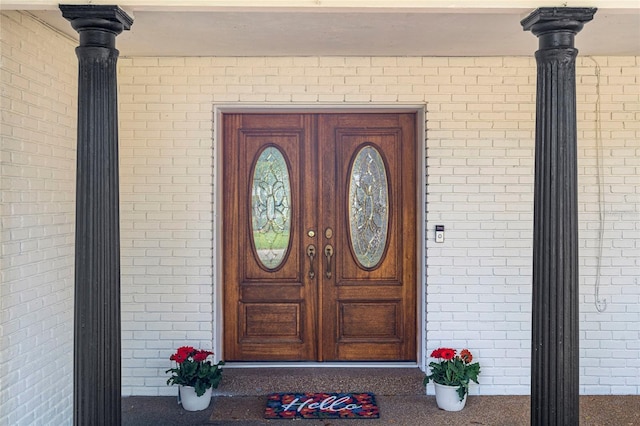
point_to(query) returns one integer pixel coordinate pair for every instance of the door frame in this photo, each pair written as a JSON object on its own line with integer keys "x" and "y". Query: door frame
{"x": 421, "y": 226}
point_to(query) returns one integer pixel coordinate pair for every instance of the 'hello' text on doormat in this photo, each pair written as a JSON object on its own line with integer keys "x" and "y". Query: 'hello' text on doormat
{"x": 321, "y": 406}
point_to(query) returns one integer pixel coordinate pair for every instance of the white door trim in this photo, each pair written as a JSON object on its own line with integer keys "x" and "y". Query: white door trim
{"x": 420, "y": 110}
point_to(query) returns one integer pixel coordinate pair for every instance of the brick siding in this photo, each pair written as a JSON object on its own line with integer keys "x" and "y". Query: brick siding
{"x": 38, "y": 131}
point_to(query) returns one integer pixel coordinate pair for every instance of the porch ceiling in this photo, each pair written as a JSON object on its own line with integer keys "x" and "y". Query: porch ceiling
{"x": 192, "y": 29}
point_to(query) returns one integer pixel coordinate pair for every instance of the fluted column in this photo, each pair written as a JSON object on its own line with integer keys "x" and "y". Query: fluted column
{"x": 555, "y": 339}
{"x": 97, "y": 390}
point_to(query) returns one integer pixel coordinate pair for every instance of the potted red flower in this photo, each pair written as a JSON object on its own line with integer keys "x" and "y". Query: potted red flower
{"x": 451, "y": 374}
{"x": 195, "y": 375}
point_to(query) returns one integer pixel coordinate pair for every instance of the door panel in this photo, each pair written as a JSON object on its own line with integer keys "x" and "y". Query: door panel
{"x": 380, "y": 300}
{"x": 340, "y": 304}
{"x": 268, "y": 313}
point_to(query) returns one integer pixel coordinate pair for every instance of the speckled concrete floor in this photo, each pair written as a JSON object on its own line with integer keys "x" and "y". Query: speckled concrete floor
{"x": 394, "y": 410}
{"x": 241, "y": 398}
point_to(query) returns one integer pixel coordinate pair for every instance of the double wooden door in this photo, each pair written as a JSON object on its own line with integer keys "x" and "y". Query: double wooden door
{"x": 319, "y": 237}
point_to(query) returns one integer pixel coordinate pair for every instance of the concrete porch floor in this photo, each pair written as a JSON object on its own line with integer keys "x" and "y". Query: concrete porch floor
{"x": 241, "y": 397}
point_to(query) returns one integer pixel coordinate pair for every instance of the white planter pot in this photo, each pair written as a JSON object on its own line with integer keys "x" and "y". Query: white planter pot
{"x": 447, "y": 398}
{"x": 192, "y": 402}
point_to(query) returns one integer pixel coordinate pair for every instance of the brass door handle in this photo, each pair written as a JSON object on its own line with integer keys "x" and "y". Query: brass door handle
{"x": 328, "y": 252}
{"x": 311, "y": 252}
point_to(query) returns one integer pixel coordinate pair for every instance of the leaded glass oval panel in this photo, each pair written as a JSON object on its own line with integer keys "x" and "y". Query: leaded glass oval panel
{"x": 271, "y": 207}
{"x": 368, "y": 206}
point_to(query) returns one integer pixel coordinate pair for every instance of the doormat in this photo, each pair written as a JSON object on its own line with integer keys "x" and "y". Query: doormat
{"x": 321, "y": 406}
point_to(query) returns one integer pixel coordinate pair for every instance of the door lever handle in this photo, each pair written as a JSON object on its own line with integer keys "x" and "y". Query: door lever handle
{"x": 328, "y": 252}
{"x": 311, "y": 252}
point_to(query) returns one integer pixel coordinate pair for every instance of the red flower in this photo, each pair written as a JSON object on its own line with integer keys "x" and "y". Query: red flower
{"x": 185, "y": 350}
{"x": 466, "y": 356}
{"x": 200, "y": 356}
{"x": 182, "y": 354}
{"x": 444, "y": 353}
{"x": 447, "y": 353}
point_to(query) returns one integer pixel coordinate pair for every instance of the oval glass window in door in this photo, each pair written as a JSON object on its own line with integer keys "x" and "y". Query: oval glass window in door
{"x": 271, "y": 207}
{"x": 368, "y": 205}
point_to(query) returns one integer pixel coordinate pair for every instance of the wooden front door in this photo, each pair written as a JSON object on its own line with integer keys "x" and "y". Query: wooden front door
{"x": 319, "y": 237}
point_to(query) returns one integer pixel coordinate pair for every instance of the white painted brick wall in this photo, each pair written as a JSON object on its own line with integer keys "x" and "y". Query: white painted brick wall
{"x": 166, "y": 198}
{"x": 480, "y": 137}
{"x": 611, "y": 203}
{"x": 480, "y": 167}
{"x": 38, "y": 70}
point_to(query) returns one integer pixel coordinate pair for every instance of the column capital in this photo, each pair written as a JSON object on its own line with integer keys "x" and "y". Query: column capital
{"x": 97, "y": 25}
{"x": 556, "y": 26}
